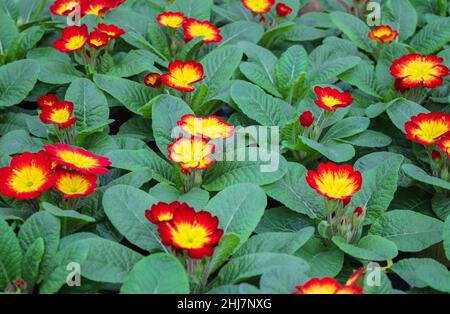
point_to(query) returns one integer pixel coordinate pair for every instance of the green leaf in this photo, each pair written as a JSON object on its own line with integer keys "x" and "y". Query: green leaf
{"x": 282, "y": 280}
{"x": 335, "y": 151}
{"x": 10, "y": 255}
{"x": 129, "y": 93}
{"x": 227, "y": 245}
{"x": 324, "y": 261}
{"x": 276, "y": 242}
{"x": 166, "y": 112}
{"x": 369, "y": 248}
{"x": 362, "y": 76}
{"x": 142, "y": 160}
{"x": 274, "y": 32}
{"x": 368, "y": 138}
{"x": 292, "y": 63}
{"x": 253, "y": 265}
{"x": 379, "y": 185}
{"x": 410, "y": 231}
{"x": 219, "y": 66}
{"x": 437, "y": 276}
{"x": 346, "y": 128}
{"x": 70, "y": 219}
{"x": 432, "y": 37}
{"x": 133, "y": 63}
{"x": 55, "y": 72}
{"x": 17, "y": 79}
{"x": 238, "y": 31}
{"x": 446, "y": 237}
{"x": 243, "y": 288}
{"x": 90, "y": 105}
{"x": 239, "y": 209}
{"x": 257, "y": 105}
{"x": 402, "y": 15}
{"x": 107, "y": 261}
{"x": 8, "y": 32}
{"x": 401, "y": 110}
{"x": 407, "y": 270}
{"x": 41, "y": 225}
{"x": 262, "y": 56}
{"x": 282, "y": 219}
{"x": 125, "y": 207}
{"x": 293, "y": 192}
{"x": 60, "y": 269}
{"x": 256, "y": 74}
{"x": 197, "y": 9}
{"x": 328, "y": 71}
{"x": 268, "y": 168}
{"x": 31, "y": 262}
{"x": 19, "y": 141}
{"x": 355, "y": 29}
{"x": 420, "y": 175}
{"x": 157, "y": 274}
{"x": 196, "y": 198}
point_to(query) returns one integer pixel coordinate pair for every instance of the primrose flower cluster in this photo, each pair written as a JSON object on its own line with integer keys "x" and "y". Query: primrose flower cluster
{"x": 262, "y": 7}
{"x": 94, "y": 7}
{"x": 194, "y": 152}
{"x": 71, "y": 171}
{"x": 186, "y": 230}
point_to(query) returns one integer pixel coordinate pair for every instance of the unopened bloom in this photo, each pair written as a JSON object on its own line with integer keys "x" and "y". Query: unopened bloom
{"x": 78, "y": 159}
{"x": 283, "y": 10}
{"x": 415, "y": 70}
{"x": 66, "y": 7}
{"x": 47, "y": 101}
{"x": 356, "y": 277}
{"x": 112, "y": 31}
{"x": 427, "y": 128}
{"x": 197, "y": 233}
{"x": 335, "y": 182}
{"x": 383, "y": 34}
{"x": 212, "y": 127}
{"x": 444, "y": 144}
{"x": 153, "y": 80}
{"x": 183, "y": 75}
{"x": 194, "y": 28}
{"x": 28, "y": 176}
{"x": 60, "y": 114}
{"x": 73, "y": 39}
{"x": 191, "y": 153}
{"x": 171, "y": 19}
{"x": 74, "y": 184}
{"x": 258, "y": 6}
{"x": 98, "y": 40}
{"x": 326, "y": 285}
{"x": 306, "y": 119}
{"x": 330, "y": 99}
{"x": 162, "y": 212}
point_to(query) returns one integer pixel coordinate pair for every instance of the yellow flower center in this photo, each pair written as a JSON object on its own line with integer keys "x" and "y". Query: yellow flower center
{"x": 431, "y": 130}
{"x": 27, "y": 179}
{"x": 172, "y": 21}
{"x": 60, "y": 115}
{"x": 69, "y": 6}
{"x": 79, "y": 160}
{"x": 196, "y": 30}
{"x": 184, "y": 76}
{"x": 257, "y": 5}
{"x": 71, "y": 184}
{"x": 75, "y": 42}
{"x": 419, "y": 70}
{"x": 336, "y": 184}
{"x": 206, "y": 127}
{"x": 190, "y": 236}
{"x": 330, "y": 101}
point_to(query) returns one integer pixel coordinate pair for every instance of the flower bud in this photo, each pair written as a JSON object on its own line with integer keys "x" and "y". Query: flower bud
{"x": 358, "y": 216}
{"x": 283, "y": 10}
{"x": 436, "y": 155}
{"x": 306, "y": 119}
